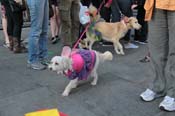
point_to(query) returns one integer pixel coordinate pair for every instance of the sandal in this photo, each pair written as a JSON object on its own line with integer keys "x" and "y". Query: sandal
{"x": 6, "y": 45}
{"x": 145, "y": 59}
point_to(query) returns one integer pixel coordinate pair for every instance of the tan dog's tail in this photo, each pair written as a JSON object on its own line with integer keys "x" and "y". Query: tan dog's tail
{"x": 106, "y": 56}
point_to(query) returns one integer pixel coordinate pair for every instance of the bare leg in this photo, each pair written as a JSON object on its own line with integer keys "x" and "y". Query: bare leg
{"x": 4, "y": 25}
{"x": 72, "y": 84}
{"x": 53, "y": 25}
{"x": 57, "y": 21}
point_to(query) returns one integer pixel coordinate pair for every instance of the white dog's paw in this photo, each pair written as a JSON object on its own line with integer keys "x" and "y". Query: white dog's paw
{"x": 122, "y": 53}
{"x": 59, "y": 72}
{"x": 64, "y": 94}
{"x": 117, "y": 51}
{"x": 93, "y": 83}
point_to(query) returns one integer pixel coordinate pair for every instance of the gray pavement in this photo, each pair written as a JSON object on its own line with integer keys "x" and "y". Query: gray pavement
{"x": 121, "y": 81}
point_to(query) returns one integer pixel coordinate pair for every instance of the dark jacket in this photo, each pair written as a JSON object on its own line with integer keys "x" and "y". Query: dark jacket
{"x": 6, "y": 4}
{"x": 96, "y": 3}
{"x": 139, "y": 2}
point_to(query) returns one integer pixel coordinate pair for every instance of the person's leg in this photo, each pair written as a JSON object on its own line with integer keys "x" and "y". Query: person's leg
{"x": 141, "y": 35}
{"x": 53, "y": 25}
{"x": 18, "y": 21}
{"x": 10, "y": 26}
{"x": 4, "y": 26}
{"x": 170, "y": 67}
{"x": 43, "y": 51}
{"x": 75, "y": 21}
{"x": 35, "y": 30}
{"x": 57, "y": 22}
{"x": 168, "y": 102}
{"x": 36, "y": 8}
{"x": 66, "y": 24}
{"x": 53, "y": 22}
{"x": 116, "y": 17}
{"x": 158, "y": 47}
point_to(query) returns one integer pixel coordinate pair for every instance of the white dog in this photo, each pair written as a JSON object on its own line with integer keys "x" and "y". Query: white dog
{"x": 78, "y": 65}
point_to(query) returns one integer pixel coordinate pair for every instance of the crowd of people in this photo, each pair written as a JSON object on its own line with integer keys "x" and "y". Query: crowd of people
{"x": 157, "y": 18}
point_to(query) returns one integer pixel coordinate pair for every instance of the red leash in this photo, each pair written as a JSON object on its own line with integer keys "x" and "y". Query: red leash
{"x": 87, "y": 26}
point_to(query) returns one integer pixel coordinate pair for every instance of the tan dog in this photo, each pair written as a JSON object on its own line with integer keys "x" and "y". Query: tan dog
{"x": 112, "y": 32}
{"x": 70, "y": 62}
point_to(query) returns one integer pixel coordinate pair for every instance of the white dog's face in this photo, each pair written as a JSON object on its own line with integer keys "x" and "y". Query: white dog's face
{"x": 60, "y": 64}
{"x": 56, "y": 64}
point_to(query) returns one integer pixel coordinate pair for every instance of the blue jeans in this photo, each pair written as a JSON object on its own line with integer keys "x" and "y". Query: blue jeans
{"x": 39, "y": 13}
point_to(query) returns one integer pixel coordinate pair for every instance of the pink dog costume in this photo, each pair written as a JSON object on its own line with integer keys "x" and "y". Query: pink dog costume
{"x": 83, "y": 62}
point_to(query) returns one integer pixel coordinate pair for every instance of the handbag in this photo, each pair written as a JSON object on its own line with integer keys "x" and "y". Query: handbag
{"x": 83, "y": 14}
{"x": 18, "y": 7}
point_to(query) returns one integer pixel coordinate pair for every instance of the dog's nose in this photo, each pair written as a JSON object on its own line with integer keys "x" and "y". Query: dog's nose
{"x": 50, "y": 68}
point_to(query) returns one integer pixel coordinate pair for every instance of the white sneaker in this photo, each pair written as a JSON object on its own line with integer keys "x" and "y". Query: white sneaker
{"x": 148, "y": 95}
{"x": 168, "y": 104}
{"x": 130, "y": 45}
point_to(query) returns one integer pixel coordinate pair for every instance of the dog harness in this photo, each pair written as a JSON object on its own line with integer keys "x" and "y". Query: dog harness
{"x": 92, "y": 31}
{"x": 83, "y": 62}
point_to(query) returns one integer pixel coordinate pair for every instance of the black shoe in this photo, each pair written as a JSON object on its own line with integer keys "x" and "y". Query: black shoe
{"x": 57, "y": 37}
{"x": 145, "y": 59}
{"x": 53, "y": 40}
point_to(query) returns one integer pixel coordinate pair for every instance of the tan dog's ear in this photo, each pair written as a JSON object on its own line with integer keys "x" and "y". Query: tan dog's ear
{"x": 93, "y": 10}
{"x": 66, "y": 51}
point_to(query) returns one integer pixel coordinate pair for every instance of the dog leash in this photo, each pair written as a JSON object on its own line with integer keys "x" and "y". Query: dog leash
{"x": 87, "y": 26}
{"x": 118, "y": 8}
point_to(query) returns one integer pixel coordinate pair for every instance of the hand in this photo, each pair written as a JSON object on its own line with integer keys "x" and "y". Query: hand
{"x": 134, "y": 6}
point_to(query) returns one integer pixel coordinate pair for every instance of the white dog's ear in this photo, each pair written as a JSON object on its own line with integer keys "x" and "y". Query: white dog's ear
{"x": 66, "y": 62}
{"x": 66, "y": 51}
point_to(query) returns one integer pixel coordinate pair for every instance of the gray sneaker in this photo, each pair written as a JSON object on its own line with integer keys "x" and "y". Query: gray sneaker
{"x": 36, "y": 66}
{"x": 44, "y": 61}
